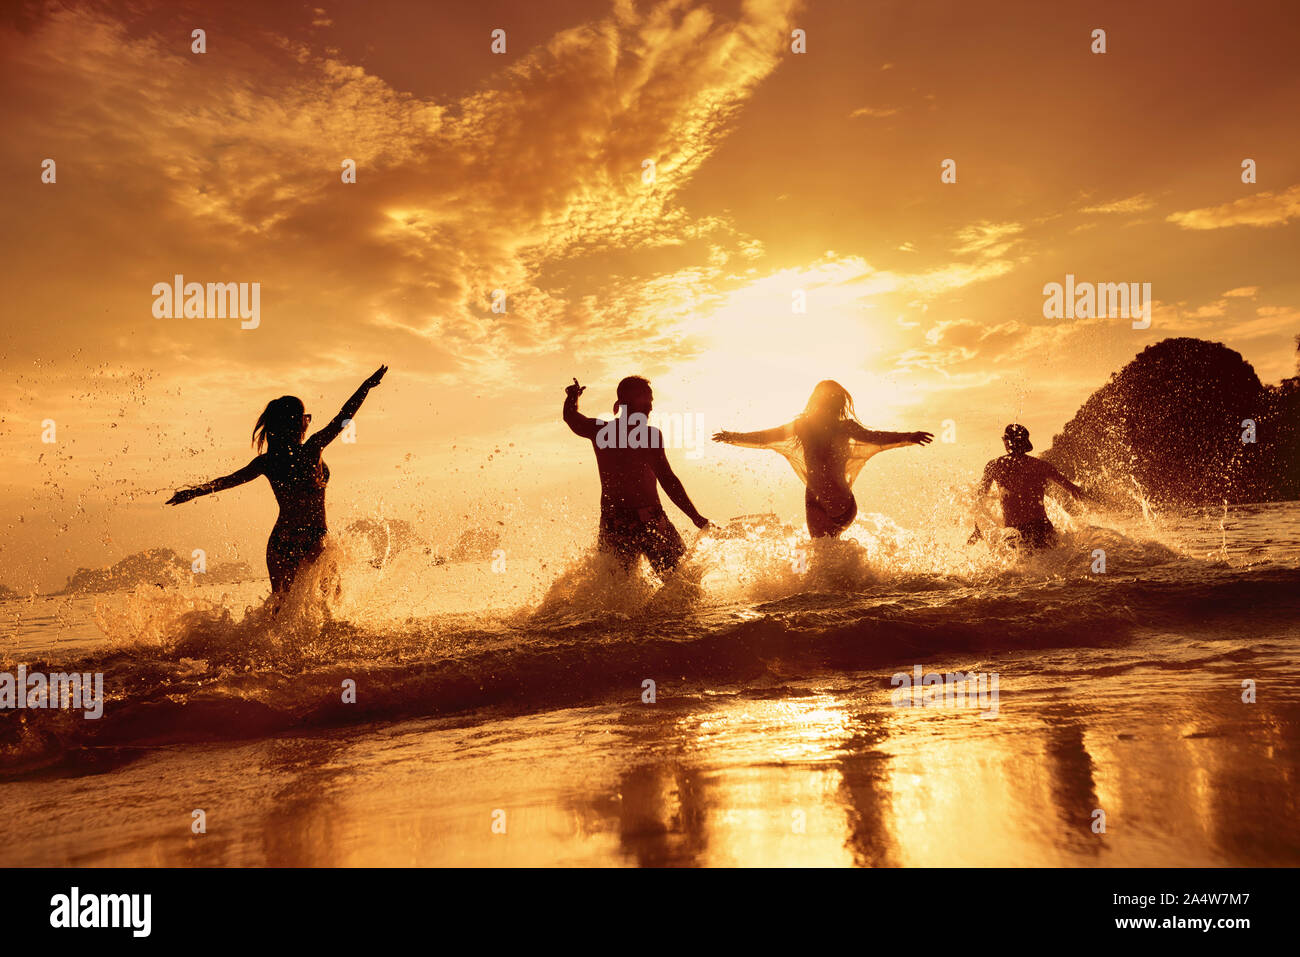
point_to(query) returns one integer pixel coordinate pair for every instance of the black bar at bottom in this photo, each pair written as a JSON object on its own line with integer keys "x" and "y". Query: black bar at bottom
{"x": 333, "y": 907}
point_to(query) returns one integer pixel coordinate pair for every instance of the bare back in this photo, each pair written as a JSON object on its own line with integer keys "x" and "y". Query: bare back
{"x": 826, "y": 458}
{"x": 628, "y": 469}
{"x": 1022, "y": 481}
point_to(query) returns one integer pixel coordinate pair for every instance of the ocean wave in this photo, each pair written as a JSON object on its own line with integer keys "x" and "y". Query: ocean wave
{"x": 185, "y": 670}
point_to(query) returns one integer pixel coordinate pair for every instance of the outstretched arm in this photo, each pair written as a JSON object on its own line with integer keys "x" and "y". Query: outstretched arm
{"x": 578, "y": 423}
{"x": 1055, "y": 475}
{"x": 756, "y": 439}
{"x": 889, "y": 440}
{"x": 350, "y": 408}
{"x": 249, "y": 472}
{"x": 674, "y": 490}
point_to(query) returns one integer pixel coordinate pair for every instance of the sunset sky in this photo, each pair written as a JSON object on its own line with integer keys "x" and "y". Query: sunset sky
{"x": 775, "y": 172}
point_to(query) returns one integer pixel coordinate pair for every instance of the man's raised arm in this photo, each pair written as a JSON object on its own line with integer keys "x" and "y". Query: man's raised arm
{"x": 575, "y": 420}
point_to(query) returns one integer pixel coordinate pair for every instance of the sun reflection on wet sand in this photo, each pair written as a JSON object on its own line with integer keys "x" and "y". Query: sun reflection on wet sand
{"x": 812, "y": 774}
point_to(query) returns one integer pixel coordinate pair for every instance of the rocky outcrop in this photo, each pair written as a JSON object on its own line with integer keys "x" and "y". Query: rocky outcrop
{"x": 1189, "y": 422}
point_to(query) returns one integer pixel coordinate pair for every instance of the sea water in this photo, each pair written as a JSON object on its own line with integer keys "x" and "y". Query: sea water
{"x": 554, "y": 712}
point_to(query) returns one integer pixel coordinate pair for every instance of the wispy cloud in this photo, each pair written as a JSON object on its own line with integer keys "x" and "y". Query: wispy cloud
{"x": 875, "y": 112}
{"x": 1258, "y": 209}
{"x": 987, "y": 238}
{"x": 1133, "y": 204}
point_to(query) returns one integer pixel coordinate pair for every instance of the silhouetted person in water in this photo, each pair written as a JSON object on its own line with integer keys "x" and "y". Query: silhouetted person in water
{"x": 1022, "y": 481}
{"x": 297, "y": 476}
{"x": 827, "y": 446}
{"x": 632, "y": 463}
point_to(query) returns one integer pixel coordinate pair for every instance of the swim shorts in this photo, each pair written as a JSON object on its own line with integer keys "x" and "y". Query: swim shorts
{"x": 1035, "y": 535}
{"x": 632, "y": 532}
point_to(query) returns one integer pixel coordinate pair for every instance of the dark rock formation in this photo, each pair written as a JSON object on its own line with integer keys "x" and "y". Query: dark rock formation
{"x": 159, "y": 566}
{"x": 154, "y": 566}
{"x": 1177, "y": 421}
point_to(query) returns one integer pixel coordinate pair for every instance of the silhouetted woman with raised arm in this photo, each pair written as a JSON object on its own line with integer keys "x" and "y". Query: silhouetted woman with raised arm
{"x": 297, "y": 476}
{"x": 827, "y": 446}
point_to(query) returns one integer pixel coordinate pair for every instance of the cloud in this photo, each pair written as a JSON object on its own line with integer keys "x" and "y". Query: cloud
{"x": 1268, "y": 321}
{"x": 986, "y": 238}
{"x": 1228, "y": 320}
{"x": 1133, "y": 204}
{"x": 1210, "y": 310}
{"x": 1259, "y": 209}
{"x": 874, "y": 112}
{"x": 235, "y": 159}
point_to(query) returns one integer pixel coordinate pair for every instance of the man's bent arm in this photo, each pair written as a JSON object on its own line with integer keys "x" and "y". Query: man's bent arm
{"x": 576, "y": 421}
{"x": 1065, "y": 483}
{"x": 674, "y": 489}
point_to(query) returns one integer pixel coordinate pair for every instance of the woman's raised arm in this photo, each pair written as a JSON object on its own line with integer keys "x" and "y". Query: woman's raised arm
{"x": 350, "y": 408}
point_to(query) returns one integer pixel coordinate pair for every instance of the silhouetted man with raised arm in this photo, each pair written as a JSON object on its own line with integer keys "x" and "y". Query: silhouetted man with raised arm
{"x": 1022, "y": 480}
{"x": 632, "y": 464}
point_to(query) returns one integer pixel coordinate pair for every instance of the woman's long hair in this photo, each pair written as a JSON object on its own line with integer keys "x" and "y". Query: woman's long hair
{"x": 281, "y": 422}
{"x": 828, "y": 406}
{"x": 828, "y": 403}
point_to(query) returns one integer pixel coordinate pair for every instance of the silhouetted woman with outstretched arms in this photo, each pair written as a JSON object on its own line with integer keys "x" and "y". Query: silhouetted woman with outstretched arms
{"x": 827, "y": 446}
{"x": 297, "y": 476}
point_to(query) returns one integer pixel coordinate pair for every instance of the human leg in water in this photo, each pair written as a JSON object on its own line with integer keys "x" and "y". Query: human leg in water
{"x": 1034, "y": 535}
{"x": 290, "y": 550}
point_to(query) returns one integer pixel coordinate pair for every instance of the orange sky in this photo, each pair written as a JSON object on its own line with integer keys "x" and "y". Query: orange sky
{"x": 775, "y": 172}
